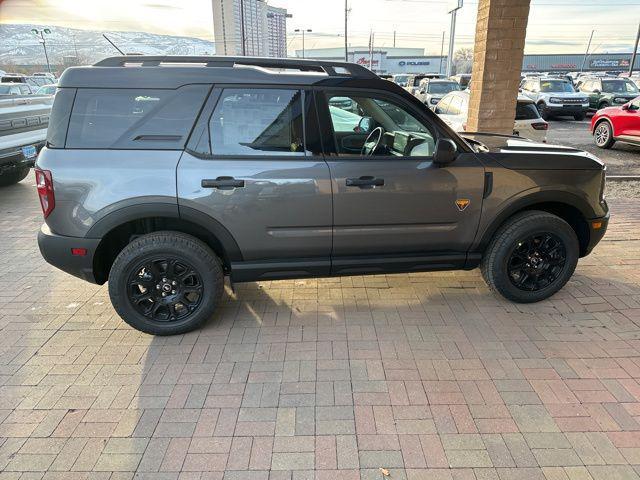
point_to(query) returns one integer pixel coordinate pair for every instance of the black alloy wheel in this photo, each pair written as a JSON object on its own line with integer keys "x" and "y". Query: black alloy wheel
{"x": 537, "y": 261}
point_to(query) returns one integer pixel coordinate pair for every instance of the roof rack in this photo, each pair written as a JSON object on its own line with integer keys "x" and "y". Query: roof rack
{"x": 332, "y": 69}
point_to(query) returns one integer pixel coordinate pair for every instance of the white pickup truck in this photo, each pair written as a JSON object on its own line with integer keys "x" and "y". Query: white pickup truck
{"x": 23, "y": 131}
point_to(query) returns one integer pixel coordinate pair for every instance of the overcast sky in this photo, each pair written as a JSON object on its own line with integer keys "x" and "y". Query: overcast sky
{"x": 555, "y": 26}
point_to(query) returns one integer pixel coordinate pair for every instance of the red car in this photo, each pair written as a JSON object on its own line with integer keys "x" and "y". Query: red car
{"x": 617, "y": 124}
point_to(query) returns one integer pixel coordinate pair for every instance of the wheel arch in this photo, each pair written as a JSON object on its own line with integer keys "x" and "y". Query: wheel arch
{"x": 565, "y": 205}
{"x": 605, "y": 119}
{"x": 118, "y": 228}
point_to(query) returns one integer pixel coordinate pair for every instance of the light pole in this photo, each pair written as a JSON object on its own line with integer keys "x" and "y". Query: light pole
{"x": 635, "y": 52}
{"x": 586, "y": 54}
{"x": 303, "y": 30}
{"x": 41, "y": 33}
{"x": 456, "y": 5}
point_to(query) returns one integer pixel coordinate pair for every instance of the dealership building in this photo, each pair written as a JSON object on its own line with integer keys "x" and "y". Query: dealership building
{"x": 413, "y": 60}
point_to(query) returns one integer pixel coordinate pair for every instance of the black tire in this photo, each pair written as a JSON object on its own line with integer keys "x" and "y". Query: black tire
{"x": 603, "y": 134}
{"x": 603, "y": 105}
{"x": 579, "y": 117}
{"x": 155, "y": 261}
{"x": 542, "y": 109}
{"x": 14, "y": 176}
{"x": 497, "y": 262}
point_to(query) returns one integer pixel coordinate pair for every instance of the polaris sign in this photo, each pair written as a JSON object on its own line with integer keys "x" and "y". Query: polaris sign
{"x": 403, "y": 63}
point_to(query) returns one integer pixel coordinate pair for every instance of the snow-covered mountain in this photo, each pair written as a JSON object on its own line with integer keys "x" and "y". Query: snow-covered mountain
{"x": 19, "y": 46}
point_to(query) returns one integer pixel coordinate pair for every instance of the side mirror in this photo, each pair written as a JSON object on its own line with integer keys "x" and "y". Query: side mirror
{"x": 625, "y": 106}
{"x": 437, "y": 110}
{"x": 365, "y": 125}
{"x": 596, "y": 91}
{"x": 445, "y": 153}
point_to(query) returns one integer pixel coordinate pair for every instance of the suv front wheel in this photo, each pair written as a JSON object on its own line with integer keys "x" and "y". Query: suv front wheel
{"x": 531, "y": 257}
{"x": 166, "y": 283}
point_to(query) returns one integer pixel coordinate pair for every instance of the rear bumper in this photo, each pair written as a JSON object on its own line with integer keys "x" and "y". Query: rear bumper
{"x": 596, "y": 234}
{"x": 56, "y": 250}
{"x": 13, "y": 157}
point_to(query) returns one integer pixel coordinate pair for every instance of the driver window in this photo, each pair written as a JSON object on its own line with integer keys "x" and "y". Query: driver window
{"x": 386, "y": 128}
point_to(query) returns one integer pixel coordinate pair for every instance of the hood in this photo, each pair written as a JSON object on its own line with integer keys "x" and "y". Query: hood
{"x": 566, "y": 94}
{"x": 521, "y": 154}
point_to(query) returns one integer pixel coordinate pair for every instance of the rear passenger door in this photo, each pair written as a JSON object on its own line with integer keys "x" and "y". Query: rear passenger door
{"x": 253, "y": 169}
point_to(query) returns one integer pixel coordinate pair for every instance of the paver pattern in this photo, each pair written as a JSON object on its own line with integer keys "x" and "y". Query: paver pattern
{"x": 428, "y": 376}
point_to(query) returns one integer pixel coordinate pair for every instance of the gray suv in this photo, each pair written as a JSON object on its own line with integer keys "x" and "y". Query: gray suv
{"x": 163, "y": 175}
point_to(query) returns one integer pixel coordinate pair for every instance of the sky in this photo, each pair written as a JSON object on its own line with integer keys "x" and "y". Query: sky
{"x": 555, "y": 26}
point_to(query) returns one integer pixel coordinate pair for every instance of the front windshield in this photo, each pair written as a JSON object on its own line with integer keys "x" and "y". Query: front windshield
{"x": 619, "y": 86}
{"x": 556, "y": 86}
{"x": 442, "y": 88}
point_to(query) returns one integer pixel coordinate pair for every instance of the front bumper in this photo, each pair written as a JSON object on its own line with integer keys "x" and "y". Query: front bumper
{"x": 565, "y": 109}
{"x": 13, "y": 157}
{"x": 596, "y": 234}
{"x": 56, "y": 250}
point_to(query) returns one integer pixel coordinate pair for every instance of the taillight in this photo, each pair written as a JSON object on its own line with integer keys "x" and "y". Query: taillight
{"x": 540, "y": 126}
{"x": 44, "y": 182}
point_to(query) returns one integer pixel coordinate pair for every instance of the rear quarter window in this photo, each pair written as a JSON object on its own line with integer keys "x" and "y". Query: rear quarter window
{"x": 526, "y": 111}
{"x": 134, "y": 118}
{"x": 59, "y": 119}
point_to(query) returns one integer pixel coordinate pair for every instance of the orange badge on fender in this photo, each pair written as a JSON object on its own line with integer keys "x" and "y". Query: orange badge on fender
{"x": 462, "y": 203}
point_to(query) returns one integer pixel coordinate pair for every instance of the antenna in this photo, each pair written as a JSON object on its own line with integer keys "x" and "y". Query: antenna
{"x": 113, "y": 44}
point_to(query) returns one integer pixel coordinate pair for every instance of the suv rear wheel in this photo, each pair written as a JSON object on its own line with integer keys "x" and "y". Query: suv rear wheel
{"x": 166, "y": 283}
{"x": 14, "y": 176}
{"x": 531, "y": 257}
{"x": 542, "y": 109}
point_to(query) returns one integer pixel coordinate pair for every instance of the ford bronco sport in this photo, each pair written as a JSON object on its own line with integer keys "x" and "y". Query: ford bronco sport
{"x": 163, "y": 175}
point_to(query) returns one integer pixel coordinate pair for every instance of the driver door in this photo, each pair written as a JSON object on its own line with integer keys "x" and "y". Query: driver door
{"x": 394, "y": 209}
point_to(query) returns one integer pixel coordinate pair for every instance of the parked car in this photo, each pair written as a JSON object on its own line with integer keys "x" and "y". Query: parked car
{"x": 49, "y": 76}
{"x": 163, "y": 180}
{"x": 14, "y": 89}
{"x": 413, "y": 81}
{"x": 431, "y": 91}
{"x": 606, "y": 92}
{"x": 401, "y": 79}
{"x": 555, "y": 97}
{"x": 617, "y": 124}
{"x": 454, "y": 110}
{"x": 47, "y": 89}
{"x": 33, "y": 83}
{"x": 462, "y": 79}
{"x": 23, "y": 129}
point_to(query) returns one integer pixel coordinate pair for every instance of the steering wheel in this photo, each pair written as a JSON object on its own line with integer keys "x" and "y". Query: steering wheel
{"x": 372, "y": 142}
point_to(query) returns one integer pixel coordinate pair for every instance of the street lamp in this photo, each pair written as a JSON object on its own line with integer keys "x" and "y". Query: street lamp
{"x": 455, "y": 6}
{"x": 41, "y": 33}
{"x": 298, "y": 30}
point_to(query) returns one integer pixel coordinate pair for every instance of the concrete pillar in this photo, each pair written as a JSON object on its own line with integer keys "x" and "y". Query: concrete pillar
{"x": 497, "y": 62}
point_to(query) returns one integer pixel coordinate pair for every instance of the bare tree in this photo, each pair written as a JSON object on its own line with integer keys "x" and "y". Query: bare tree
{"x": 463, "y": 60}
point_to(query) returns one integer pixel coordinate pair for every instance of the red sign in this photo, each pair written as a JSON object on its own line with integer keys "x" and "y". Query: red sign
{"x": 365, "y": 61}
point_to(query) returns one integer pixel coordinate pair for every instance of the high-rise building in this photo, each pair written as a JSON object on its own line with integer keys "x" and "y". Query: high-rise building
{"x": 276, "y": 31}
{"x": 262, "y": 26}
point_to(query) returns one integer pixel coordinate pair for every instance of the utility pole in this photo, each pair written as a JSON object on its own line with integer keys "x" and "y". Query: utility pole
{"x": 452, "y": 35}
{"x": 346, "y": 21}
{"x": 394, "y": 39}
{"x": 586, "y": 54}
{"x": 635, "y": 52}
{"x": 242, "y": 32}
{"x": 41, "y": 33}
{"x": 441, "y": 53}
{"x": 298, "y": 30}
{"x": 371, "y": 50}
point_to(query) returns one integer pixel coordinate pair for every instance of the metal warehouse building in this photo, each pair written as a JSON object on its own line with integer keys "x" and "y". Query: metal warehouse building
{"x": 413, "y": 60}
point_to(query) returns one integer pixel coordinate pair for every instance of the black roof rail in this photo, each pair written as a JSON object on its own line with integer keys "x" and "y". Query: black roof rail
{"x": 330, "y": 68}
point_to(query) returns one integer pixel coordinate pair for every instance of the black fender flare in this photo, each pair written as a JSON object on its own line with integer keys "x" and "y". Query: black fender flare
{"x": 529, "y": 200}
{"x": 168, "y": 210}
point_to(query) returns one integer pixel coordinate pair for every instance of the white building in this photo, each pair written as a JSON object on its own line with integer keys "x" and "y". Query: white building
{"x": 263, "y": 26}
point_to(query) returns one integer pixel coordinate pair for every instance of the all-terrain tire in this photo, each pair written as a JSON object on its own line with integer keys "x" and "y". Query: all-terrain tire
{"x": 184, "y": 253}
{"x": 14, "y": 176}
{"x": 511, "y": 235}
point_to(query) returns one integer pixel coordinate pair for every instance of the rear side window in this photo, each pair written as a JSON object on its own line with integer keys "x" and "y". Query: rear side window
{"x": 59, "y": 119}
{"x": 134, "y": 118}
{"x": 258, "y": 122}
{"x": 526, "y": 111}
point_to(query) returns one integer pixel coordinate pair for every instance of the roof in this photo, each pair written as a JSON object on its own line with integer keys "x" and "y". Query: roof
{"x": 174, "y": 71}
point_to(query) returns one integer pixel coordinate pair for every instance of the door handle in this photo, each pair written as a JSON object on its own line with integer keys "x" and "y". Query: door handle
{"x": 222, "y": 183}
{"x": 365, "y": 182}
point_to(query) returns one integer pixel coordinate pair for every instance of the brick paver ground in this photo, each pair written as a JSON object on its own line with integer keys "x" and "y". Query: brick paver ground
{"x": 428, "y": 376}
